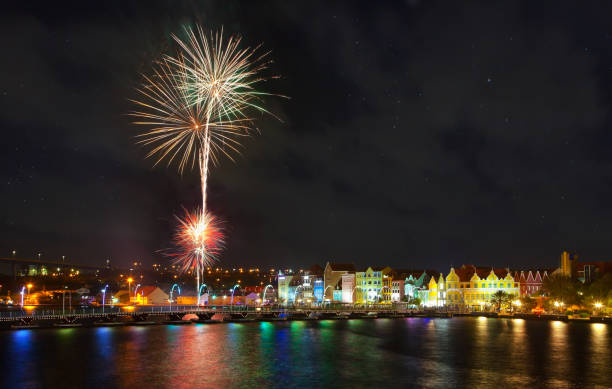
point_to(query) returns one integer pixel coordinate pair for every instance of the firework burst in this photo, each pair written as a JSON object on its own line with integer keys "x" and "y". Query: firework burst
{"x": 199, "y": 240}
{"x": 196, "y": 106}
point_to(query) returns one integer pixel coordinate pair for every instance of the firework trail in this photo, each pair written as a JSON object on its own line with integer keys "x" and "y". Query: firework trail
{"x": 196, "y": 106}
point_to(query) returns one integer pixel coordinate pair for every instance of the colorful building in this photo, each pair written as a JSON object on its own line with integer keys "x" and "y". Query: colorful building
{"x": 151, "y": 295}
{"x": 348, "y": 288}
{"x": 416, "y": 284}
{"x": 387, "y": 288}
{"x": 332, "y": 276}
{"x": 283, "y": 288}
{"x": 435, "y": 296}
{"x": 472, "y": 287}
{"x": 530, "y": 281}
{"x": 397, "y": 289}
{"x": 318, "y": 290}
{"x": 369, "y": 284}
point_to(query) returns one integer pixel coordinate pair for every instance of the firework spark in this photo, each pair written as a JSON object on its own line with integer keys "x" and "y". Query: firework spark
{"x": 199, "y": 241}
{"x": 196, "y": 106}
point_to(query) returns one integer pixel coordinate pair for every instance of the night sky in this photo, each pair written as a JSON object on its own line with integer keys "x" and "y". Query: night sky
{"x": 418, "y": 134}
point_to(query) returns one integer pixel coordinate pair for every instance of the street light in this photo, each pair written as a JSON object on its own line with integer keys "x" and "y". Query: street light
{"x": 597, "y": 306}
{"x": 136, "y": 294}
{"x": 29, "y": 287}
{"x": 22, "y": 293}
{"x": 103, "y": 296}
{"x": 129, "y": 280}
{"x": 172, "y": 292}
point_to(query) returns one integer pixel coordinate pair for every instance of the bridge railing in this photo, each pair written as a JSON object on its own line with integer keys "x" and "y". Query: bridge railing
{"x": 42, "y": 312}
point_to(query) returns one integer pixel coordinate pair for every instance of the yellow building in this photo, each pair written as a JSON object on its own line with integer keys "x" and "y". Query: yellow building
{"x": 472, "y": 287}
{"x": 436, "y": 292}
{"x": 149, "y": 295}
{"x": 387, "y": 288}
{"x": 369, "y": 285}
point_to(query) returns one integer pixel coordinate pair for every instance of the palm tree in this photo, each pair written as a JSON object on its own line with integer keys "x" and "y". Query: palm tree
{"x": 500, "y": 298}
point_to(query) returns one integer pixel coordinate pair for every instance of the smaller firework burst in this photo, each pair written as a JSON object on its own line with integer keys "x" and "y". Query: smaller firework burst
{"x": 199, "y": 240}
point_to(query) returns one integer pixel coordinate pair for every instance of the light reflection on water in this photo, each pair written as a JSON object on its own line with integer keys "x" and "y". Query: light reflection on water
{"x": 412, "y": 352}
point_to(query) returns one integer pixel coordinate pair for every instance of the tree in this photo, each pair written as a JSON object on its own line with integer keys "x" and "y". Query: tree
{"x": 600, "y": 291}
{"x": 528, "y": 303}
{"x": 561, "y": 288}
{"x": 501, "y": 298}
{"x": 415, "y": 301}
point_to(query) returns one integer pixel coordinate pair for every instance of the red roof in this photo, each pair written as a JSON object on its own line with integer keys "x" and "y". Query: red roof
{"x": 146, "y": 290}
{"x": 501, "y": 273}
{"x": 465, "y": 272}
{"x": 602, "y": 266}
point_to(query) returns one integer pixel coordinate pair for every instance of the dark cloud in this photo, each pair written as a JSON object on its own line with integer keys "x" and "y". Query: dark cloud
{"x": 418, "y": 134}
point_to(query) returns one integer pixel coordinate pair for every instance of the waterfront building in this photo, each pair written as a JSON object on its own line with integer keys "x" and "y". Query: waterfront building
{"x": 152, "y": 295}
{"x": 283, "y": 287}
{"x": 332, "y": 275}
{"x": 317, "y": 290}
{"x": 397, "y": 289}
{"x": 252, "y": 299}
{"x": 435, "y": 296}
{"x": 585, "y": 272}
{"x": 472, "y": 287}
{"x": 123, "y": 296}
{"x": 530, "y": 281}
{"x": 290, "y": 288}
{"x": 295, "y": 291}
{"x": 348, "y": 288}
{"x": 312, "y": 285}
{"x": 338, "y": 292}
{"x": 567, "y": 264}
{"x": 416, "y": 284}
{"x": 387, "y": 288}
{"x": 369, "y": 284}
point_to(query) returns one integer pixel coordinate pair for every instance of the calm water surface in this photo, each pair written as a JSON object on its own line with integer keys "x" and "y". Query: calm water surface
{"x": 390, "y": 353}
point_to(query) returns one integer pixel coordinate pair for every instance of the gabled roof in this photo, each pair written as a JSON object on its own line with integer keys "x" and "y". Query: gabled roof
{"x": 483, "y": 272}
{"x": 378, "y": 268}
{"x": 316, "y": 270}
{"x": 501, "y": 273}
{"x": 121, "y": 293}
{"x": 341, "y": 266}
{"x": 148, "y": 289}
{"x": 465, "y": 272}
